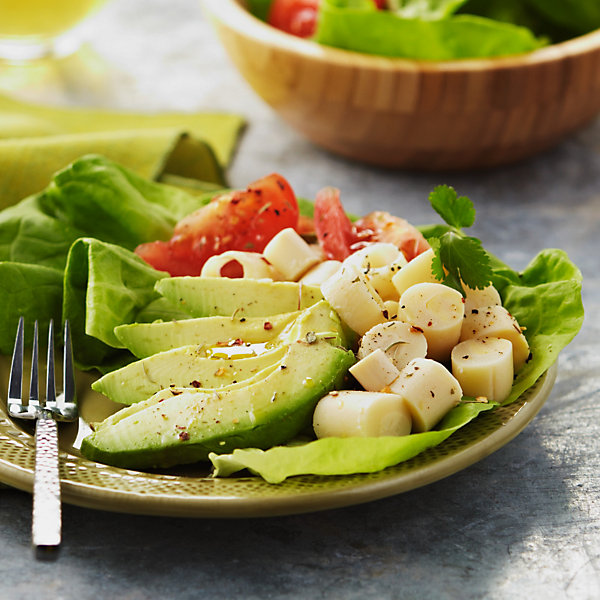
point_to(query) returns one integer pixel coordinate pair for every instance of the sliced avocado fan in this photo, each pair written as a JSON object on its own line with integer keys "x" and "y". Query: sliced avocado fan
{"x": 186, "y": 427}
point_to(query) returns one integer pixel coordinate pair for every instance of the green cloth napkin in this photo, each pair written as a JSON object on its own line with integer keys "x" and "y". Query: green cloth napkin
{"x": 36, "y": 141}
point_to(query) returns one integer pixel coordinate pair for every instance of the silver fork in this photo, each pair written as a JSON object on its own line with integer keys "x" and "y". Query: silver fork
{"x": 46, "y": 522}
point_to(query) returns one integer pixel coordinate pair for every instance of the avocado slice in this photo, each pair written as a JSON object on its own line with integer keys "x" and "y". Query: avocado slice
{"x": 181, "y": 367}
{"x": 186, "y": 427}
{"x": 146, "y": 339}
{"x": 208, "y": 296}
{"x": 196, "y": 365}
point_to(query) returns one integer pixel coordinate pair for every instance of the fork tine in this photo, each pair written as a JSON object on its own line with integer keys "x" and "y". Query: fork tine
{"x": 34, "y": 385}
{"x": 15, "y": 381}
{"x": 50, "y": 380}
{"x": 68, "y": 371}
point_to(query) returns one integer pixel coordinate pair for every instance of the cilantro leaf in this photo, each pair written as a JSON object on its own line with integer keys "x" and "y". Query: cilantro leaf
{"x": 458, "y": 259}
{"x": 465, "y": 262}
{"x": 457, "y": 211}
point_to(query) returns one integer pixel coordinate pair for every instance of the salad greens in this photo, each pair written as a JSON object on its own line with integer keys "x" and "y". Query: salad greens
{"x": 104, "y": 286}
{"x": 357, "y": 25}
{"x": 93, "y": 197}
{"x": 66, "y": 253}
{"x": 448, "y": 29}
{"x": 578, "y": 16}
{"x": 342, "y": 456}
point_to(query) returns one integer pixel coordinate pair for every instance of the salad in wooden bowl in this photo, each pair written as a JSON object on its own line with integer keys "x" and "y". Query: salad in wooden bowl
{"x": 428, "y": 85}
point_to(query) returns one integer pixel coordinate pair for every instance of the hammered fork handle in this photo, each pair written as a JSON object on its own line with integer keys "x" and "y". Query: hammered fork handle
{"x": 46, "y": 524}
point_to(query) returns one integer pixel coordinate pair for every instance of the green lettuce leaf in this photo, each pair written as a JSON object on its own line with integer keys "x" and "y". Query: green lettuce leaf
{"x": 93, "y": 197}
{"x": 357, "y": 25}
{"x": 31, "y": 290}
{"x": 113, "y": 204}
{"x": 425, "y": 9}
{"x": 259, "y": 8}
{"x": 104, "y": 286}
{"x": 29, "y": 235}
{"x": 517, "y": 12}
{"x": 341, "y": 456}
{"x": 580, "y": 16}
{"x": 547, "y": 303}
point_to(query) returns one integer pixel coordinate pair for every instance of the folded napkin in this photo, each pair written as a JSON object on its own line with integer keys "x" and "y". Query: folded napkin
{"x": 36, "y": 141}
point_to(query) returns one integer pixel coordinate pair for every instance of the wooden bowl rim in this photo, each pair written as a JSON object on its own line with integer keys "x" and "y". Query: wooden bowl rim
{"x": 235, "y": 16}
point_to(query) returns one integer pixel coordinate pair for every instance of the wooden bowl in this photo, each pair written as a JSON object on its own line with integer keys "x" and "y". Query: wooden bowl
{"x": 402, "y": 113}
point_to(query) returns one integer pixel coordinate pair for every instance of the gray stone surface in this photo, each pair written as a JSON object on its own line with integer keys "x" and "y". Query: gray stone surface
{"x": 523, "y": 523}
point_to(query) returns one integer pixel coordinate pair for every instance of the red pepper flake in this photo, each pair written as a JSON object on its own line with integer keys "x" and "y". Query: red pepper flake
{"x": 184, "y": 436}
{"x": 180, "y": 426}
{"x": 430, "y": 324}
{"x": 195, "y": 384}
{"x": 268, "y": 326}
{"x": 416, "y": 329}
{"x": 174, "y": 392}
{"x": 236, "y": 342}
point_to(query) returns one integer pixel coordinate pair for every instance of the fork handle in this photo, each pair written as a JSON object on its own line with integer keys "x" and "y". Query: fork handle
{"x": 46, "y": 524}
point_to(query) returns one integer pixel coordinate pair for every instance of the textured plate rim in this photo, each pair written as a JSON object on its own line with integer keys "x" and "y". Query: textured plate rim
{"x": 281, "y": 499}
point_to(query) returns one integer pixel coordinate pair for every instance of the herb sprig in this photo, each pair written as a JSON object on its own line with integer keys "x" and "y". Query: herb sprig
{"x": 458, "y": 258}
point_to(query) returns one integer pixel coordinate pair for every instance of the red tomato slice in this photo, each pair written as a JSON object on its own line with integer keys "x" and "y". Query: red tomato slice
{"x": 339, "y": 237}
{"x": 334, "y": 230}
{"x": 380, "y": 226}
{"x": 239, "y": 220}
{"x": 298, "y": 17}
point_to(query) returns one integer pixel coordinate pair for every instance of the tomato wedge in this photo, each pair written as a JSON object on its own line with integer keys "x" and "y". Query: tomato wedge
{"x": 335, "y": 231}
{"x": 339, "y": 237}
{"x": 299, "y": 17}
{"x": 239, "y": 220}
{"x": 384, "y": 227}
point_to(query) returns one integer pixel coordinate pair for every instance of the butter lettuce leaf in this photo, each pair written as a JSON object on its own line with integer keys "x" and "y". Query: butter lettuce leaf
{"x": 518, "y": 12}
{"x": 579, "y": 16}
{"x": 546, "y": 301}
{"x": 105, "y": 285}
{"x": 91, "y": 198}
{"x": 425, "y": 9}
{"x": 113, "y": 204}
{"x": 358, "y": 26}
{"x": 341, "y": 456}
{"x": 31, "y": 290}
{"x": 29, "y": 235}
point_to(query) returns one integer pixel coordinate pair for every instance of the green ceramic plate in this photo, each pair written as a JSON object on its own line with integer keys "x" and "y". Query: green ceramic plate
{"x": 189, "y": 493}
